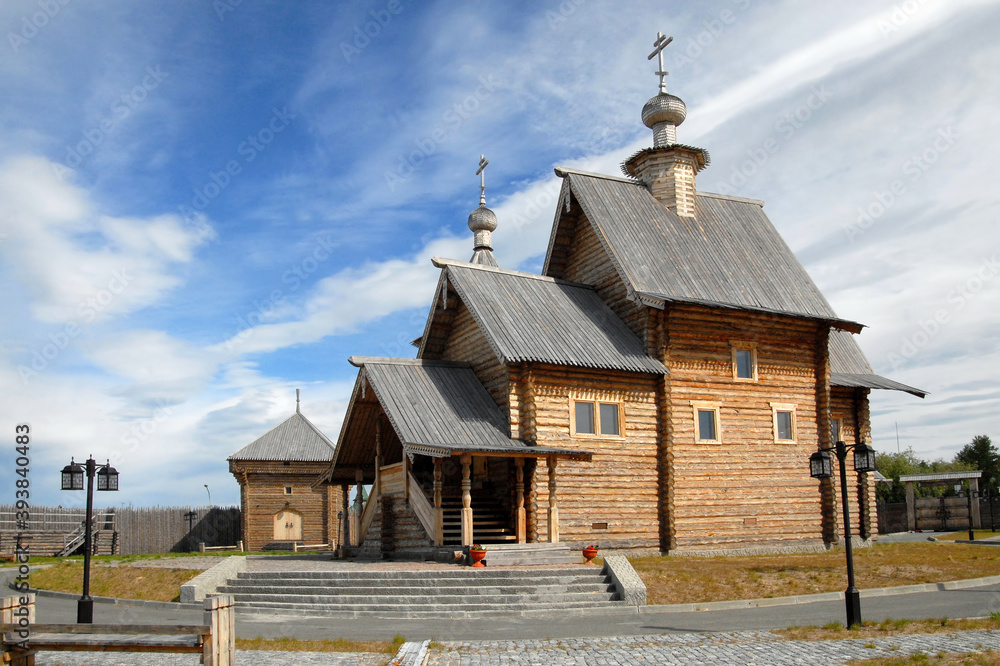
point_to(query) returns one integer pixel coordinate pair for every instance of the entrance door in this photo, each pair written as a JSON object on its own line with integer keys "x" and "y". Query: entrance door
{"x": 288, "y": 525}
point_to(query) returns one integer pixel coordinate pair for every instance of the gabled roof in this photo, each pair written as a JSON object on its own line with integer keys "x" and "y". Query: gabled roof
{"x": 440, "y": 407}
{"x": 294, "y": 439}
{"x": 849, "y": 367}
{"x": 527, "y": 317}
{"x": 728, "y": 255}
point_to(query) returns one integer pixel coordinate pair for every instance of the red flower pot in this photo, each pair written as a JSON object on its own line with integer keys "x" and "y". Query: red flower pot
{"x": 477, "y": 557}
{"x": 590, "y": 554}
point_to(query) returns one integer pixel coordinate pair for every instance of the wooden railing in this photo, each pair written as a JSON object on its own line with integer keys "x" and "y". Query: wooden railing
{"x": 369, "y": 511}
{"x": 425, "y": 511}
{"x": 392, "y": 479}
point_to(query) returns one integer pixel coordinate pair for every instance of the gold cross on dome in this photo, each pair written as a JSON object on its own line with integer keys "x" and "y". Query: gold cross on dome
{"x": 482, "y": 179}
{"x": 658, "y": 46}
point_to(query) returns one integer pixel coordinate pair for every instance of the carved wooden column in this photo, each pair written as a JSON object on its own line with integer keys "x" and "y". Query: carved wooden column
{"x": 359, "y": 506}
{"x": 519, "y": 515}
{"x": 553, "y": 503}
{"x": 467, "y": 499}
{"x": 345, "y": 513}
{"x": 438, "y": 510}
{"x": 377, "y": 485}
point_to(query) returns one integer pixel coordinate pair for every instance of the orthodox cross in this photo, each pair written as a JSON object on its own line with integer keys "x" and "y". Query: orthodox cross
{"x": 658, "y": 46}
{"x": 482, "y": 179}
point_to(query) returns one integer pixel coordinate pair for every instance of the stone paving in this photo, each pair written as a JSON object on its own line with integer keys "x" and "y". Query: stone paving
{"x": 758, "y": 648}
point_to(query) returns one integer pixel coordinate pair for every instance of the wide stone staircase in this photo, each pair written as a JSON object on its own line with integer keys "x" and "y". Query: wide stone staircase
{"x": 457, "y": 592}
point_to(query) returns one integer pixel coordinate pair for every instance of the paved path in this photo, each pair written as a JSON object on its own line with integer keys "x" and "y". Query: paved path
{"x": 755, "y": 647}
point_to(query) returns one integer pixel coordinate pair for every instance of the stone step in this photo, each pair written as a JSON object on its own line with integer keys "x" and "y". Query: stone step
{"x": 268, "y": 587}
{"x": 423, "y": 610}
{"x": 363, "y": 600}
{"x": 477, "y": 575}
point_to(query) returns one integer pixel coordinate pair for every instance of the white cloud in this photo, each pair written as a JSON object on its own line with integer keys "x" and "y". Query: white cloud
{"x": 77, "y": 263}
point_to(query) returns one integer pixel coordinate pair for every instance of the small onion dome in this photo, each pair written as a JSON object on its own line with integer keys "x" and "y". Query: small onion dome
{"x": 664, "y": 108}
{"x": 482, "y": 219}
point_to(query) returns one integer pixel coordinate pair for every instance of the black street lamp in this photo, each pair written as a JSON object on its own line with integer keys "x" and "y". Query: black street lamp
{"x": 72, "y": 479}
{"x": 821, "y": 467}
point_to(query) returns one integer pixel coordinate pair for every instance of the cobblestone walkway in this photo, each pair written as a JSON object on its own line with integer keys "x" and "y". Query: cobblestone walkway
{"x": 757, "y": 648}
{"x": 256, "y": 657}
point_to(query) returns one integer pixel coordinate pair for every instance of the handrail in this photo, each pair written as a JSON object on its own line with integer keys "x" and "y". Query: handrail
{"x": 422, "y": 507}
{"x": 369, "y": 512}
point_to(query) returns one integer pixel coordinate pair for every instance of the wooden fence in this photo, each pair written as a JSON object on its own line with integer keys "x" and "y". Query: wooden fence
{"x": 140, "y": 529}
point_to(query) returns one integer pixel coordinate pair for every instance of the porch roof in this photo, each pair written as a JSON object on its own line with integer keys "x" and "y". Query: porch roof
{"x": 435, "y": 408}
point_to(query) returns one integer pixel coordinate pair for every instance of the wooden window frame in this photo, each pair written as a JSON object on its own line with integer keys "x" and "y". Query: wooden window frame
{"x": 288, "y": 490}
{"x": 703, "y": 405}
{"x": 740, "y": 345}
{"x": 784, "y": 407}
{"x": 596, "y": 402}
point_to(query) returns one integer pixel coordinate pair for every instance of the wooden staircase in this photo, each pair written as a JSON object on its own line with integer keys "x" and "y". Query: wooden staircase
{"x": 490, "y": 521}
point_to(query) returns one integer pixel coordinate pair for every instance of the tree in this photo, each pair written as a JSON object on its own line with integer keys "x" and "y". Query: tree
{"x": 894, "y": 465}
{"x": 981, "y": 454}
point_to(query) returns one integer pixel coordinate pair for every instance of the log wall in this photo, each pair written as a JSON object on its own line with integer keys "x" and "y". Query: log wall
{"x": 619, "y": 487}
{"x": 466, "y": 342}
{"x": 588, "y": 262}
{"x": 747, "y": 488}
{"x": 263, "y": 495}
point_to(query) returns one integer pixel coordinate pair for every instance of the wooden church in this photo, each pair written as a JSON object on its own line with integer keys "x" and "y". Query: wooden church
{"x": 660, "y": 386}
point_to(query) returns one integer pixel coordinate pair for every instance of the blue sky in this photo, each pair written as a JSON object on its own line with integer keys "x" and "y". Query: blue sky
{"x": 204, "y": 205}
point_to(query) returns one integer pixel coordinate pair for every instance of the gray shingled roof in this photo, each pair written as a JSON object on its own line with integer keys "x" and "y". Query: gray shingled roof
{"x": 294, "y": 439}
{"x": 729, "y": 255}
{"x": 437, "y": 407}
{"x": 849, "y": 367}
{"x": 533, "y": 318}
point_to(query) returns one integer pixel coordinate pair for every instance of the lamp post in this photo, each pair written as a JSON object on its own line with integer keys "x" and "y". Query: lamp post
{"x": 821, "y": 467}
{"x": 209, "y": 495}
{"x": 72, "y": 479}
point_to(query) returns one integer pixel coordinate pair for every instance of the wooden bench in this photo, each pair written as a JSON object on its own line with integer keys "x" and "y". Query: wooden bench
{"x": 215, "y": 640}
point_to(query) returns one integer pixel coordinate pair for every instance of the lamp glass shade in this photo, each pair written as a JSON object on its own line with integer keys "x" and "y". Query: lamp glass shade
{"x": 820, "y": 465}
{"x": 107, "y": 478}
{"x": 864, "y": 458}
{"x": 72, "y": 476}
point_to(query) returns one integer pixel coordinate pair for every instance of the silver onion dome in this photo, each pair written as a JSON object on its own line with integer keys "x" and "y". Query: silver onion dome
{"x": 482, "y": 219}
{"x": 664, "y": 108}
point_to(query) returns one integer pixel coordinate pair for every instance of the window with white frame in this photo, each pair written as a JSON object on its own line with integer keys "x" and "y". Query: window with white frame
{"x": 596, "y": 417}
{"x": 707, "y": 428}
{"x": 744, "y": 361}
{"x": 783, "y": 415}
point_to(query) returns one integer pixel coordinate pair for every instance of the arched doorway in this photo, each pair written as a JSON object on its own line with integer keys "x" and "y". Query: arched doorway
{"x": 288, "y": 525}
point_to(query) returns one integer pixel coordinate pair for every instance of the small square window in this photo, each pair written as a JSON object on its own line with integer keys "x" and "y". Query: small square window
{"x": 706, "y": 424}
{"x": 744, "y": 361}
{"x": 288, "y": 490}
{"x": 585, "y": 418}
{"x": 784, "y": 422}
{"x": 609, "y": 418}
{"x": 784, "y": 425}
